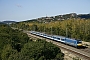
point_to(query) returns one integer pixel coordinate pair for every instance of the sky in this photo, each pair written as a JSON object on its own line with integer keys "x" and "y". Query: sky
{"x": 21, "y": 10}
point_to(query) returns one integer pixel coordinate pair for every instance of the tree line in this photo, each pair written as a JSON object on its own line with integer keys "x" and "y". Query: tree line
{"x": 72, "y": 28}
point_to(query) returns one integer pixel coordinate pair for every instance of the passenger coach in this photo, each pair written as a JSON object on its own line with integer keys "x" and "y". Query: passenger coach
{"x": 72, "y": 42}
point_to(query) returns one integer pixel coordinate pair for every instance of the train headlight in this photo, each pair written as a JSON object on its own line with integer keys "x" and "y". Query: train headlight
{"x": 79, "y": 44}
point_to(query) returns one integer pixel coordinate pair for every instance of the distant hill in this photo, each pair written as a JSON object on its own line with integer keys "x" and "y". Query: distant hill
{"x": 54, "y": 18}
{"x": 8, "y": 22}
{"x": 60, "y": 17}
{"x": 85, "y": 16}
{"x": 1, "y": 23}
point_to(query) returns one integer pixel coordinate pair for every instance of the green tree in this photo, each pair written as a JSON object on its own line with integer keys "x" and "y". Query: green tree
{"x": 7, "y": 51}
{"x": 40, "y": 50}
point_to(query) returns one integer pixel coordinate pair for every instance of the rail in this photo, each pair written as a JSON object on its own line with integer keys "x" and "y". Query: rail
{"x": 80, "y": 53}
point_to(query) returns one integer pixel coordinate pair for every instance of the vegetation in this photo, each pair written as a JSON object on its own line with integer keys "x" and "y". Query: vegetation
{"x": 12, "y": 38}
{"x": 72, "y": 28}
{"x": 39, "y": 50}
{"x": 16, "y": 45}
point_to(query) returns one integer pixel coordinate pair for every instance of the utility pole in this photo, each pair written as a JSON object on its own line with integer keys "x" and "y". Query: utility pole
{"x": 66, "y": 30}
{"x": 66, "y": 33}
{"x": 51, "y": 30}
{"x": 44, "y": 29}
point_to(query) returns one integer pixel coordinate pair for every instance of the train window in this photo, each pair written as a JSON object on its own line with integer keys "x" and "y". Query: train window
{"x": 49, "y": 36}
{"x": 62, "y": 39}
{"x": 54, "y": 37}
{"x": 58, "y": 38}
{"x": 79, "y": 42}
{"x": 45, "y": 35}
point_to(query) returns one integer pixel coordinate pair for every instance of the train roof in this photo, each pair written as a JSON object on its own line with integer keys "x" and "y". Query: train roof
{"x": 55, "y": 36}
{"x": 58, "y": 36}
{"x": 73, "y": 39}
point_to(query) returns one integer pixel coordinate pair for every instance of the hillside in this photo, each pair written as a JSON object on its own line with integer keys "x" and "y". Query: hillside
{"x": 1, "y": 23}
{"x": 72, "y": 28}
{"x": 60, "y": 17}
{"x": 15, "y": 43}
{"x": 13, "y": 38}
{"x": 68, "y": 25}
{"x": 8, "y": 22}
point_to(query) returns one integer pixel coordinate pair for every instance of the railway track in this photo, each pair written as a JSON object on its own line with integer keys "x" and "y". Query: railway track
{"x": 86, "y": 50}
{"x": 84, "y": 54}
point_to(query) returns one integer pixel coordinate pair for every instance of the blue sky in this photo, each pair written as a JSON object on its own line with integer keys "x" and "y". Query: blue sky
{"x": 21, "y": 10}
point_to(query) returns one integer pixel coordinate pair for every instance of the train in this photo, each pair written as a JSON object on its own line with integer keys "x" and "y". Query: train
{"x": 72, "y": 42}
